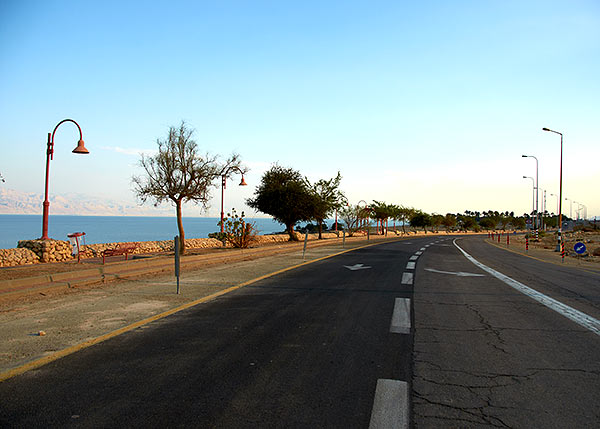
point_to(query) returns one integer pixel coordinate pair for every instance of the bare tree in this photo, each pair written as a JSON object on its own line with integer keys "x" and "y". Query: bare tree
{"x": 177, "y": 173}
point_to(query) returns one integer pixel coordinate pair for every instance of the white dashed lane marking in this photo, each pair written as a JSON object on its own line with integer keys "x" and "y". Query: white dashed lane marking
{"x": 390, "y": 407}
{"x": 401, "y": 317}
{"x": 407, "y": 278}
{"x": 413, "y": 258}
{"x": 410, "y": 265}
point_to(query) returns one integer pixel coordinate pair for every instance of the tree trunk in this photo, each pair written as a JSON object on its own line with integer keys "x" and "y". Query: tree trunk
{"x": 320, "y": 229}
{"x": 180, "y": 228}
{"x": 290, "y": 231}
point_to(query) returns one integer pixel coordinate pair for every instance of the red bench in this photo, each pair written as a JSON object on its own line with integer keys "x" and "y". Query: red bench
{"x": 120, "y": 249}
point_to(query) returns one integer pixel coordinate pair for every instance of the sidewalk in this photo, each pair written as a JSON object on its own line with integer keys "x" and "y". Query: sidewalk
{"x": 45, "y": 317}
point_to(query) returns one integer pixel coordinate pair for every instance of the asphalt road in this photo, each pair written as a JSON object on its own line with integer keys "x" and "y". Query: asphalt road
{"x": 302, "y": 349}
{"x": 340, "y": 344}
{"x": 486, "y": 355}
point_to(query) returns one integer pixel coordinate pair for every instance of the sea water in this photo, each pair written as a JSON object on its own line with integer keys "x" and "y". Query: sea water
{"x": 109, "y": 229}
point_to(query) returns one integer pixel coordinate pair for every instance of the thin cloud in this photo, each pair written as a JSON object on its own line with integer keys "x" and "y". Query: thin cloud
{"x": 129, "y": 151}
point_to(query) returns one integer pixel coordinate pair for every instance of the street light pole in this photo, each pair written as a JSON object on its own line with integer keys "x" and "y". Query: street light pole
{"x": 570, "y": 208}
{"x": 559, "y": 243}
{"x": 537, "y": 184}
{"x": 49, "y": 156}
{"x": 224, "y": 185}
{"x": 532, "y": 194}
{"x": 557, "y": 209}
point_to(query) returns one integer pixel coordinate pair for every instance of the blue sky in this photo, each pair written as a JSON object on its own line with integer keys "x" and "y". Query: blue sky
{"x": 424, "y": 104}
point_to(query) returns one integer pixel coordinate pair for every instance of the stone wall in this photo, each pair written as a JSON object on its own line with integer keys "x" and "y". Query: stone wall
{"x": 14, "y": 257}
{"x": 36, "y": 251}
{"x": 48, "y": 250}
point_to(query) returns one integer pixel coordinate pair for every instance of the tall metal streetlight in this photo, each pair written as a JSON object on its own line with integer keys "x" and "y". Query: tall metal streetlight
{"x": 537, "y": 184}
{"x": 224, "y": 185}
{"x": 557, "y": 208}
{"x": 533, "y": 193}
{"x": 577, "y": 210}
{"x": 49, "y": 156}
{"x": 570, "y": 208}
{"x": 558, "y": 244}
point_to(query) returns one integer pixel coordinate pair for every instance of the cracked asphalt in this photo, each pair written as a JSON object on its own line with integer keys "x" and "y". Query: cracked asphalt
{"x": 485, "y": 355}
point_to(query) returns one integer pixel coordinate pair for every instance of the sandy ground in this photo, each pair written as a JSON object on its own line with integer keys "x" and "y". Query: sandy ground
{"x": 549, "y": 240}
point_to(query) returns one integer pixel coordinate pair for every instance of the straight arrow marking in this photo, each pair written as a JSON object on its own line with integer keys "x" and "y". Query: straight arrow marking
{"x": 458, "y": 273}
{"x": 357, "y": 267}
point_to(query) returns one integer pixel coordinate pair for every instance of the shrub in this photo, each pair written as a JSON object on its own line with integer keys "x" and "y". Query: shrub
{"x": 237, "y": 231}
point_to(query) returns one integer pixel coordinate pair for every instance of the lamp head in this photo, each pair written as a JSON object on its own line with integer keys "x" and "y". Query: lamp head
{"x": 243, "y": 182}
{"x": 545, "y": 129}
{"x": 80, "y": 148}
{"x": 523, "y": 156}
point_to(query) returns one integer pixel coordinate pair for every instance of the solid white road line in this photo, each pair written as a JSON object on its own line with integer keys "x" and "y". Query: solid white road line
{"x": 413, "y": 258}
{"x": 410, "y": 265}
{"x": 401, "y": 317}
{"x": 576, "y": 316}
{"x": 390, "y": 406}
{"x": 407, "y": 278}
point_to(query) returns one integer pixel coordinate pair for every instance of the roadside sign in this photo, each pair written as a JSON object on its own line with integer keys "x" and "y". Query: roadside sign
{"x": 579, "y": 248}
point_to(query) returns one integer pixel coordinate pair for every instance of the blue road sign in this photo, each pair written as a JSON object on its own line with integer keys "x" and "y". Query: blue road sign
{"x": 579, "y": 248}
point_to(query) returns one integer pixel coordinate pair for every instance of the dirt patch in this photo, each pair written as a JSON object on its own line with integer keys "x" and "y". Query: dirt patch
{"x": 548, "y": 241}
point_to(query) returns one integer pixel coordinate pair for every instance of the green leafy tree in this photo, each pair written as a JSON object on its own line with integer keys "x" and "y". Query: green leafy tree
{"x": 519, "y": 222}
{"x": 328, "y": 198}
{"x": 405, "y": 213}
{"x": 177, "y": 173}
{"x": 283, "y": 194}
{"x": 395, "y": 213}
{"x": 382, "y": 212}
{"x": 420, "y": 219}
{"x": 467, "y": 222}
{"x": 449, "y": 222}
{"x": 436, "y": 221}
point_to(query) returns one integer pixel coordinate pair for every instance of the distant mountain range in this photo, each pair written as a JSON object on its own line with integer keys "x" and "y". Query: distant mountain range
{"x": 17, "y": 202}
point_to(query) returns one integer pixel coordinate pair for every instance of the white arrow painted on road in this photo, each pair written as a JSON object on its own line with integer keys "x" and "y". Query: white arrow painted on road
{"x": 458, "y": 273}
{"x": 357, "y": 267}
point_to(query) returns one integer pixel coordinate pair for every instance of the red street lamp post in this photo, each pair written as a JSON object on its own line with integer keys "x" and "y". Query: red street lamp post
{"x": 223, "y": 186}
{"x": 49, "y": 156}
{"x": 558, "y": 244}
